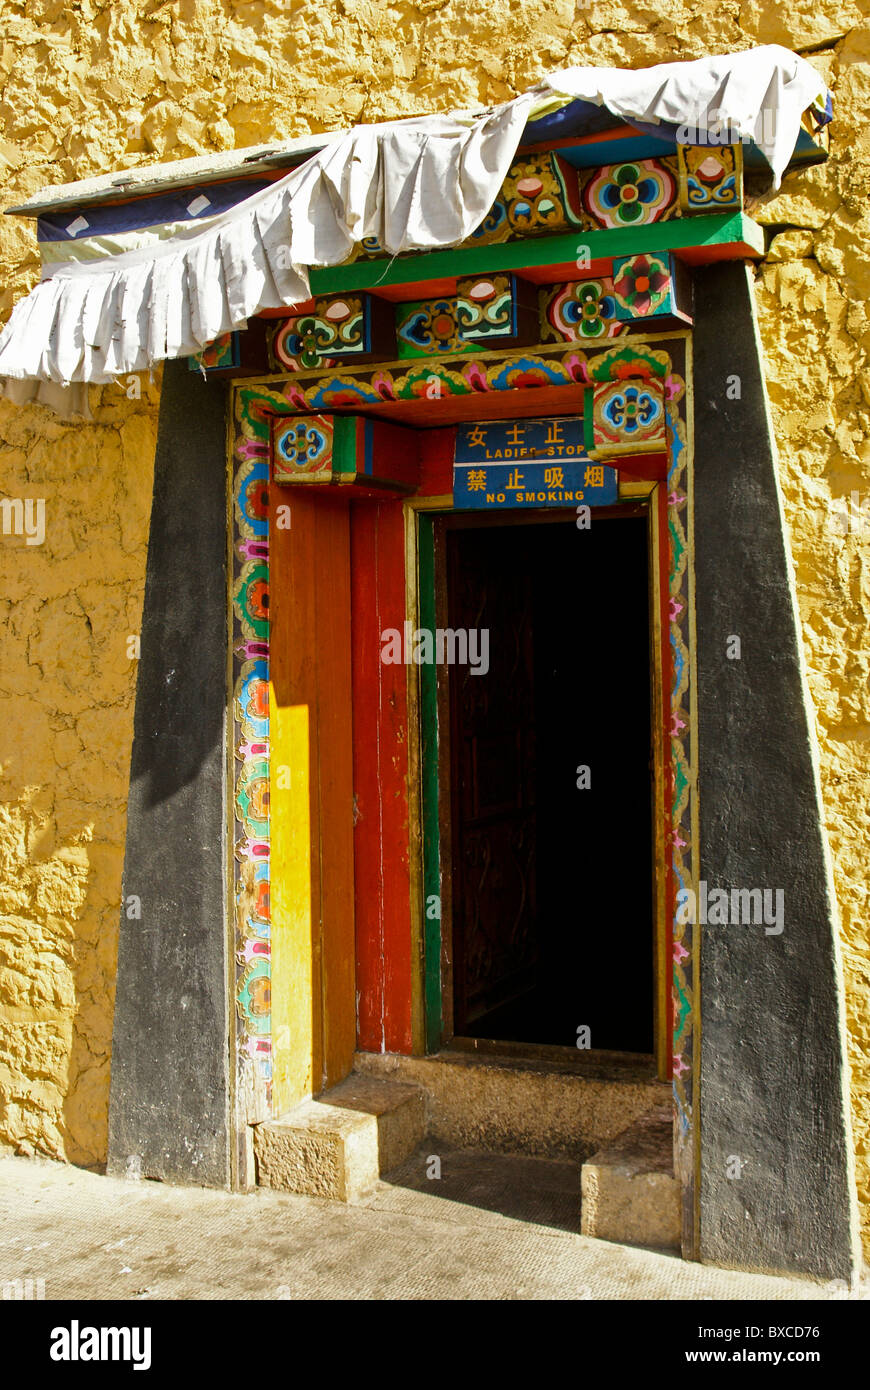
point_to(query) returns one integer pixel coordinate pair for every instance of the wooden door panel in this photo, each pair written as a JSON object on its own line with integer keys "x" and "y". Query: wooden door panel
{"x": 492, "y": 777}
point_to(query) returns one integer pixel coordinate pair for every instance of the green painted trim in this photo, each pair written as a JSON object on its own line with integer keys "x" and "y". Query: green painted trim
{"x": 721, "y": 229}
{"x": 429, "y": 776}
{"x": 588, "y": 432}
{"x": 344, "y": 445}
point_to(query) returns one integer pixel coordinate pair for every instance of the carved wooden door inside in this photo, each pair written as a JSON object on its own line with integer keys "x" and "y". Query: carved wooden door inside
{"x": 492, "y": 754}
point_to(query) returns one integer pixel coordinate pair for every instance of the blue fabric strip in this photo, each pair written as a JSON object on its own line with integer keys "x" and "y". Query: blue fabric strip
{"x": 147, "y": 212}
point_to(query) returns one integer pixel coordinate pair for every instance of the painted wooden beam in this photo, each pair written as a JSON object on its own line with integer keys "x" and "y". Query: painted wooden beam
{"x": 733, "y": 236}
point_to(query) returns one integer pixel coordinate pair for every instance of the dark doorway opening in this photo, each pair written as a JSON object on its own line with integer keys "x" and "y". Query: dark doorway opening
{"x": 552, "y": 882}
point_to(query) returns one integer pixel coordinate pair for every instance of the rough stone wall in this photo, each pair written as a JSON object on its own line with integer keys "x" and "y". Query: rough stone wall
{"x": 87, "y": 86}
{"x": 66, "y": 691}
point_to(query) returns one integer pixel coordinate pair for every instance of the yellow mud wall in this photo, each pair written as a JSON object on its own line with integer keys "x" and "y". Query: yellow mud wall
{"x": 88, "y": 86}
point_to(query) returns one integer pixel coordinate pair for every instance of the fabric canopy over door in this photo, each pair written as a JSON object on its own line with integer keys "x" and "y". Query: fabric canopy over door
{"x": 114, "y": 301}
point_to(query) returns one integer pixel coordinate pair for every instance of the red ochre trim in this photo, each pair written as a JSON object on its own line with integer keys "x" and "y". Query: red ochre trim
{"x": 598, "y": 137}
{"x": 380, "y": 773}
{"x": 724, "y": 251}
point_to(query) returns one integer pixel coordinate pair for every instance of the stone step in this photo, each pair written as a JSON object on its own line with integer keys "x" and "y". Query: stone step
{"x": 338, "y": 1144}
{"x": 555, "y": 1109}
{"x": 629, "y": 1191}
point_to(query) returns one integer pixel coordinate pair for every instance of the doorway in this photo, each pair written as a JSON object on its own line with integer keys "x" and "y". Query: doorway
{"x": 549, "y": 844}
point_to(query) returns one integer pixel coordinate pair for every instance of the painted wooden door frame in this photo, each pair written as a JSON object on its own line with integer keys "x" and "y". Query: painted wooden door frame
{"x": 254, "y": 402}
{"x": 429, "y": 772}
{"x": 670, "y": 508}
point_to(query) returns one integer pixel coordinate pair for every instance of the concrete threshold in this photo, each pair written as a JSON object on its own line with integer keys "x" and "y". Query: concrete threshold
{"x": 337, "y": 1145}
{"x": 629, "y": 1191}
{"x": 519, "y": 1105}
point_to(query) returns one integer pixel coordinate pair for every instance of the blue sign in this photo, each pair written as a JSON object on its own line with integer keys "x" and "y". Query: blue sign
{"x": 528, "y": 463}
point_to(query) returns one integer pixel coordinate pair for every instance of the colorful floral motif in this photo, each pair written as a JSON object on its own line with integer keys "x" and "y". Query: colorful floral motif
{"x": 627, "y": 417}
{"x": 642, "y": 286}
{"x": 429, "y": 327}
{"x": 628, "y": 195}
{"x": 337, "y": 328}
{"x": 580, "y": 310}
{"x": 252, "y": 797}
{"x": 711, "y": 178}
{"x": 302, "y": 450}
{"x": 624, "y": 363}
{"x": 251, "y": 599}
{"x": 486, "y": 308}
{"x": 252, "y": 704}
{"x": 631, "y": 410}
{"x": 293, "y": 350}
{"x": 255, "y": 1001}
{"x": 679, "y": 806}
{"x": 250, "y": 743}
{"x": 452, "y": 377}
{"x": 220, "y": 355}
{"x": 540, "y": 194}
{"x": 254, "y": 499}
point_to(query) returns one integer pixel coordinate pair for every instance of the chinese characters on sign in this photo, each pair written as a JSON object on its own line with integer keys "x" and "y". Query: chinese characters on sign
{"x": 528, "y": 463}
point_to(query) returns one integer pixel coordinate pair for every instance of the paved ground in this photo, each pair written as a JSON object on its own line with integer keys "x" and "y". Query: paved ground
{"x": 490, "y": 1228}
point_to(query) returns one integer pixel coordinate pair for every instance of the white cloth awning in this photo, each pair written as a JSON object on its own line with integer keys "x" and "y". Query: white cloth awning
{"x": 413, "y": 184}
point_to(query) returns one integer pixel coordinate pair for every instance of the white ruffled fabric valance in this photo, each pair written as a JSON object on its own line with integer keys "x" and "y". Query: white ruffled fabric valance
{"x": 414, "y": 185}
